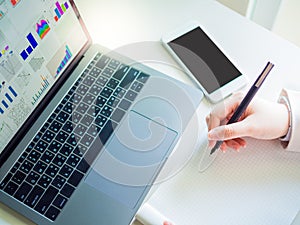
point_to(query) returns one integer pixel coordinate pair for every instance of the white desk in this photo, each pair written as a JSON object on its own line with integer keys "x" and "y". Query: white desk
{"x": 259, "y": 185}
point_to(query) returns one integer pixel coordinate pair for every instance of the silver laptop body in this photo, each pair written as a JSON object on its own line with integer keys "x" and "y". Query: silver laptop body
{"x": 84, "y": 131}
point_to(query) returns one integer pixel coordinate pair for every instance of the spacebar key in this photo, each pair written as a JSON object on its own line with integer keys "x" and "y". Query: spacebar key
{"x": 100, "y": 141}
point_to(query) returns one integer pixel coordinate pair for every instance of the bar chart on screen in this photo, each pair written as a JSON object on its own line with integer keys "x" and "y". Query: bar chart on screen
{"x": 60, "y": 10}
{"x": 29, "y": 49}
{"x": 8, "y": 97}
{"x": 44, "y": 85}
{"x": 65, "y": 60}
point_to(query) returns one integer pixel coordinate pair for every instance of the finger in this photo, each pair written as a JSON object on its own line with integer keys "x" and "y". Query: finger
{"x": 223, "y": 147}
{"x": 241, "y": 142}
{"x": 227, "y": 107}
{"x": 211, "y": 143}
{"x": 233, "y": 144}
{"x": 213, "y": 122}
{"x": 230, "y": 131}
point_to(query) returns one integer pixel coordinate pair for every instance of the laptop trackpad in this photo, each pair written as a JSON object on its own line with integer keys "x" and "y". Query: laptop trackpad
{"x": 132, "y": 158}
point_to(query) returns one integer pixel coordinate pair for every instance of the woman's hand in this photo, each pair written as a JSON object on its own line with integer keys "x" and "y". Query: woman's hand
{"x": 262, "y": 120}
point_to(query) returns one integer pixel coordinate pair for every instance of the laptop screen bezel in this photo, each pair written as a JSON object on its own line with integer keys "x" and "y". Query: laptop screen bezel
{"x": 10, "y": 147}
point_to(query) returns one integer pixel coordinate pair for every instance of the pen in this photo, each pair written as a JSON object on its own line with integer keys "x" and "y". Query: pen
{"x": 246, "y": 101}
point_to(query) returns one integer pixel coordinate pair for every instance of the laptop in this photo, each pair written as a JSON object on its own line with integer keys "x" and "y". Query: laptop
{"x": 84, "y": 131}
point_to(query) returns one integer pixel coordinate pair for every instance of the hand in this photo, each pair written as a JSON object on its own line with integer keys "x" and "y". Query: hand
{"x": 262, "y": 120}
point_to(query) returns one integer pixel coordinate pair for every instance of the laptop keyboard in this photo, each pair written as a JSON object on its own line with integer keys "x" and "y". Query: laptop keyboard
{"x": 51, "y": 167}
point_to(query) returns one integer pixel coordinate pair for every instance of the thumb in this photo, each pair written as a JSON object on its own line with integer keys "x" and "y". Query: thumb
{"x": 227, "y": 132}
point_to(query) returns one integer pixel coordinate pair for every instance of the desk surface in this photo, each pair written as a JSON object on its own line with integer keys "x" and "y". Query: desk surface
{"x": 259, "y": 185}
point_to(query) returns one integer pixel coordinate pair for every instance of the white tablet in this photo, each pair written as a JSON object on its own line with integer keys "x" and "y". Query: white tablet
{"x": 204, "y": 60}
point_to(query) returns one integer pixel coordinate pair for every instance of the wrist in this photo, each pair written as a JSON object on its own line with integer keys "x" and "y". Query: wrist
{"x": 287, "y": 131}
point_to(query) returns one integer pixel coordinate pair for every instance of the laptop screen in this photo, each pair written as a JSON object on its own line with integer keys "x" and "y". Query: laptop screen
{"x": 38, "y": 40}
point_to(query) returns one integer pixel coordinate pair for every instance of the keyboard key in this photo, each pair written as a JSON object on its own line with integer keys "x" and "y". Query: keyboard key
{"x": 52, "y": 213}
{"x": 80, "y": 129}
{"x": 75, "y": 178}
{"x": 17, "y": 164}
{"x": 124, "y": 104}
{"x": 48, "y": 136}
{"x": 66, "y": 149}
{"x": 95, "y": 72}
{"x": 106, "y": 111}
{"x": 67, "y": 190}
{"x": 68, "y": 107}
{"x": 108, "y": 72}
{"x": 93, "y": 111}
{"x": 130, "y": 95}
{"x": 55, "y": 126}
{"x": 68, "y": 127}
{"x": 34, "y": 196}
{"x": 101, "y": 81}
{"x": 26, "y": 167}
{"x": 37, "y": 137}
{"x": 62, "y": 136}
{"x": 95, "y": 90}
{"x": 119, "y": 74}
{"x": 119, "y": 92}
{"x": 73, "y": 140}
{"x": 34, "y": 156}
{"x": 88, "y": 80}
{"x": 117, "y": 115}
{"x": 88, "y": 99}
{"x": 143, "y": 77}
{"x": 129, "y": 78}
{"x": 102, "y": 62}
{"x": 32, "y": 178}
{"x": 87, "y": 120}
{"x": 114, "y": 64}
{"x": 11, "y": 188}
{"x": 41, "y": 146}
{"x": 23, "y": 191}
{"x": 44, "y": 181}
{"x": 138, "y": 87}
{"x": 66, "y": 171}
{"x": 93, "y": 130}
{"x": 106, "y": 131}
{"x": 73, "y": 160}
{"x": 80, "y": 150}
{"x": 59, "y": 160}
{"x": 100, "y": 120}
{"x": 51, "y": 117}
{"x": 60, "y": 201}
{"x": 106, "y": 92}
{"x": 40, "y": 167}
{"x": 62, "y": 117}
{"x": 86, "y": 140}
{"x": 100, "y": 101}
{"x": 81, "y": 108}
{"x": 75, "y": 117}
{"x": 75, "y": 99}
{"x": 82, "y": 89}
{"x": 47, "y": 157}
{"x": 112, "y": 83}
{"x": 113, "y": 101}
{"x": 59, "y": 181}
{"x": 5, "y": 181}
{"x": 19, "y": 177}
{"x": 46, "y": 200}
{"x": 83, "y": 166}
{"x": 52, "y": 170}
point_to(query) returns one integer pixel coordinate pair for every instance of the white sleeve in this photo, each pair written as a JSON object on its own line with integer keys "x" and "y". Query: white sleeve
{"x": 293, "y": 98}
